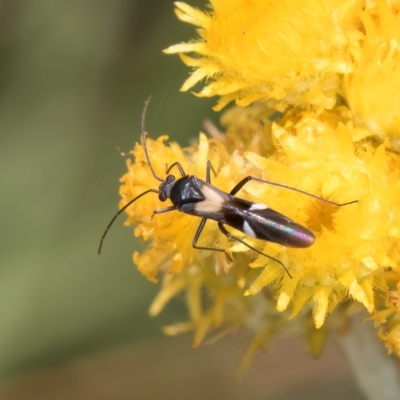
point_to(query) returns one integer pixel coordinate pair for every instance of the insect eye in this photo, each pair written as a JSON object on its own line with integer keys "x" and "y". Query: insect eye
{"x": 170, "y": 178}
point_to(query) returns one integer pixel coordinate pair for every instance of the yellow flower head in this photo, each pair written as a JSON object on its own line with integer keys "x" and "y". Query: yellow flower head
{"x": 316, "y": 85}
{"x": 372, "y": 90}
{"x": 279, "y": 51}
{"x": 287, "y": 53}
{"x": 356, "y": 253}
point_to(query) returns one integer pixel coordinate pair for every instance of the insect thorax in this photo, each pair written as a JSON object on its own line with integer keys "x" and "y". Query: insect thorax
{"x": 186, "y": 190}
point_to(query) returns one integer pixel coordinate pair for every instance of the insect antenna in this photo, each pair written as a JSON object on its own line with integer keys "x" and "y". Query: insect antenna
{"x": 119, "y": 212}
{"x": 143, "y": 139}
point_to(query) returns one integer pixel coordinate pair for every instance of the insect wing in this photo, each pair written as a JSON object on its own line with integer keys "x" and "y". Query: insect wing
{"x": 214, "y": 202}
{"x": 268, "y": 224}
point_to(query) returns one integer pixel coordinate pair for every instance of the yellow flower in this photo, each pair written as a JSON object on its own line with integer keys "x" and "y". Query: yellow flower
{"x": 297, "y": 54}
{"x": 316, "y": 84}
{"x": 356, "y": 244}
{"x": 281, "y": 52}
{"x": 372, "y": 90}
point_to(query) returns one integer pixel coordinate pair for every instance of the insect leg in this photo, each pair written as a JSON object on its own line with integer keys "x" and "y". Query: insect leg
{"x": 229, "y": 235}
{"x": 119, "y": 212}
{"x": 196, "y": 238}
{"x": 208, "y": 169}
{"x": 253, "y": 178}
{"x": 163, "y": 210}
{"x": 179, "y": 166}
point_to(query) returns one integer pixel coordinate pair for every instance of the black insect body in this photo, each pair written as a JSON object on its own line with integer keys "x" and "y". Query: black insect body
{"x": 194, "y": 196}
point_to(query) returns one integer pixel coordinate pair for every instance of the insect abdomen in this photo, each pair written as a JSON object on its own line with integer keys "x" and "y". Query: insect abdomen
{"x": 277, "y": 228}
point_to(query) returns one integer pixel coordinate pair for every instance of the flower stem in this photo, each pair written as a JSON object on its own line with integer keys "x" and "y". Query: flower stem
{"x": 377, "y": 373}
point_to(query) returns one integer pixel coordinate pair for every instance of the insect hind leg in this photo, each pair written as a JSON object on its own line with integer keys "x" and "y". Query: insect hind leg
{"x": 230, "y": 236}
{"x": 253, "y": 178}
{"x": 196, "y": 238}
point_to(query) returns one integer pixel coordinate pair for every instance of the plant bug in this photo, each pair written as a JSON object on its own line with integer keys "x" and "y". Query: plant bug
{"x": 193, "y": 196}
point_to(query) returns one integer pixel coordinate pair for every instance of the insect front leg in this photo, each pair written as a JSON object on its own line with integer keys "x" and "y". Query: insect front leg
{"x": 196, "y": 238}
{"x": 163, "y": 210}
{"x": 179, "y": 166}
{"x": 230, "y": 236}
{"x": 208, "y": 171}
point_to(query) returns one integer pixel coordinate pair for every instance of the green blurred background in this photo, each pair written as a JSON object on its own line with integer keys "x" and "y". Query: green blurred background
{"x": 73, "y": 79}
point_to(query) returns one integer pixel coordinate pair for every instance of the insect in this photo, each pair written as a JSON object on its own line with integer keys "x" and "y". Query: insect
{"x": 193, "y": 196}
